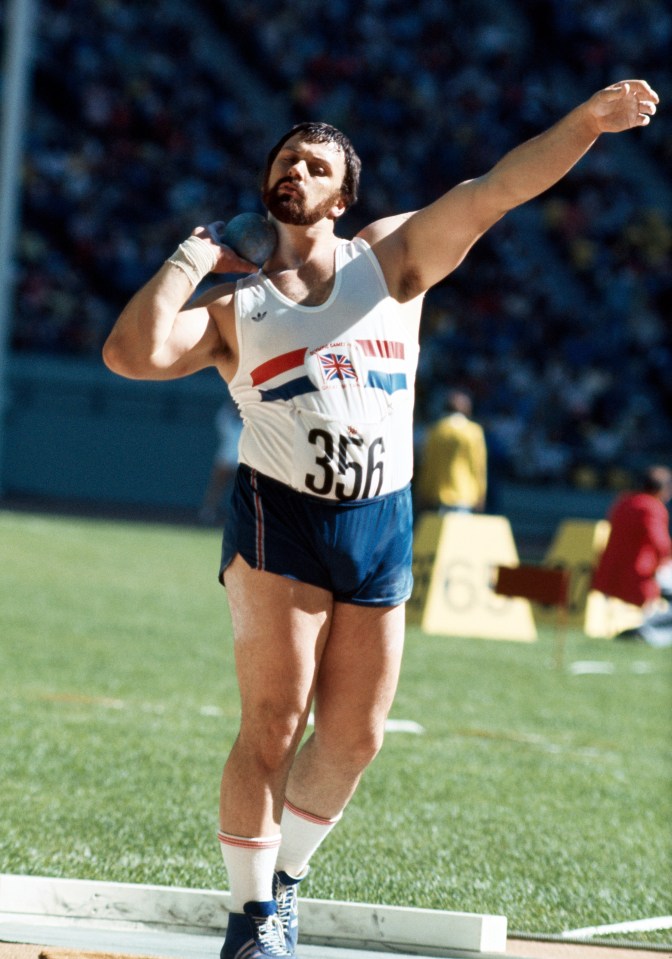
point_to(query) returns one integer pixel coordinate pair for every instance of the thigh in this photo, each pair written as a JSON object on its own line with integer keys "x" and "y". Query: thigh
{"x": 371, "y": 553}
{"x": 359, "y": 670}
{"x": 280, "y": 627}
{"x": 274, "y": 529}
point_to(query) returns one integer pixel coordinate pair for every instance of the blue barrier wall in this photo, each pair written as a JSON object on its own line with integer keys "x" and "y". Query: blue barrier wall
{"x": 76, "y": 431}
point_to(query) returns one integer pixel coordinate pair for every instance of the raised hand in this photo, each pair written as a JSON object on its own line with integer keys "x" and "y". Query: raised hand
{"x": 623, "y": 105}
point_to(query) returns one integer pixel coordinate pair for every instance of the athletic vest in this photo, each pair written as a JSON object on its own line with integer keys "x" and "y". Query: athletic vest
{"x": 326, "y": 392}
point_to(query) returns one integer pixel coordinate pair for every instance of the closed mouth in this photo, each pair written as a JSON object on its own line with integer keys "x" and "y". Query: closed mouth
{"x": 290, "y": 188}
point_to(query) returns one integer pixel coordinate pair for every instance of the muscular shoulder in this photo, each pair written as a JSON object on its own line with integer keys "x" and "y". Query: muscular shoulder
{"x": 388, "y": 239}
{"x": 383, "y": 228}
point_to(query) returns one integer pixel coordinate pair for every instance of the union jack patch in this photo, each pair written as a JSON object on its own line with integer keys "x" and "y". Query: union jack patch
{"x": 337, "y": 366}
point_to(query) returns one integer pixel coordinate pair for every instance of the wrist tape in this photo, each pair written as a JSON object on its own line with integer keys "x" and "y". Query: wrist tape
{"x": 195, "y": 257}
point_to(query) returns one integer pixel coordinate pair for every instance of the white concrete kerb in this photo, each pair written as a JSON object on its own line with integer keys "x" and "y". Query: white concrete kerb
{"x": 205, "y": 911}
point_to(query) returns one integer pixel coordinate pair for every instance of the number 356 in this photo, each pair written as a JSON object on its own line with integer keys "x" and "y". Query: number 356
{"x": 335, "y": 462}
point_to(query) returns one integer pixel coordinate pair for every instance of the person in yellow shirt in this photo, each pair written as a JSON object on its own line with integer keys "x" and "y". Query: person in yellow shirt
{"x": 453, "y": 467}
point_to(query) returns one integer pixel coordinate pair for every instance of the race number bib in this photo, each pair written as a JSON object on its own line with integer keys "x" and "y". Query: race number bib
{"x": 338, "y": 461}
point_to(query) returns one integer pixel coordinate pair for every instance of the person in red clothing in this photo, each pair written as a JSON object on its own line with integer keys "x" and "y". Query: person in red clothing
{"x": 639, "y": 552}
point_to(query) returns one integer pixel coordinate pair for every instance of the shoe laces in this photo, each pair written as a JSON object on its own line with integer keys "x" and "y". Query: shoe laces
{"x": 285, "y": 897}
{"x": 270, "y": 935}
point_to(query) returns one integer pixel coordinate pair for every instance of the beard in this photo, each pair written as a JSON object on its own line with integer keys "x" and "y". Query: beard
{"x": 293, "y": 209}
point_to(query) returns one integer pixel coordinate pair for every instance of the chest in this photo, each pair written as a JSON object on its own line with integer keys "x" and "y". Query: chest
{"x": 306, "y": 287}
{"x": 342, "y": 306}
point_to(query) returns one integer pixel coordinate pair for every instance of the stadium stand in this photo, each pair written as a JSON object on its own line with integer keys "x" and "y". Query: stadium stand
{"x": 144, "y": 122}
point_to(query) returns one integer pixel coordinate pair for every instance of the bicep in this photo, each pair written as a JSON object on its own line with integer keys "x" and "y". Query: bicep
{"x": 194, "y": 343}
{"x": 440, "y": 235}
{"x": 427, "y": 245}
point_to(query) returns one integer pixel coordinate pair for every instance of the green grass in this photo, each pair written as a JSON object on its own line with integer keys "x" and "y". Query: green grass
{"x": 533, "y": 793}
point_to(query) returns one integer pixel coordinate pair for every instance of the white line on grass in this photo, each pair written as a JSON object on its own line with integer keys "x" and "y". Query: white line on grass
{"x": 636, "y": 925}
{"x": 403, "y": 726}
{"x": 392, "y": 725}
{"x": 589, "y": 667}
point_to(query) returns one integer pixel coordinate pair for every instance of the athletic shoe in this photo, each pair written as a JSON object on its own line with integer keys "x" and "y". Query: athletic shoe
{"x": 286, "y": 897}
{"x": 255, "y": 933}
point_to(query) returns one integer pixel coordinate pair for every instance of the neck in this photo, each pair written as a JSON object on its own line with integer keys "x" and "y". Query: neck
{"x": 303, "y": 264}
{"x": 299, "y": 245}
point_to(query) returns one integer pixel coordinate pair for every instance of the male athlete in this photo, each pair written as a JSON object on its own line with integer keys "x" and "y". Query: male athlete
{"x": 319, "y": 349}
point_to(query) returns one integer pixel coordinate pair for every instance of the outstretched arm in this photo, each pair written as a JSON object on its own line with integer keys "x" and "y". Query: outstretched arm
{"x": 417, "y": 251}
{"x": 156, "y": 337}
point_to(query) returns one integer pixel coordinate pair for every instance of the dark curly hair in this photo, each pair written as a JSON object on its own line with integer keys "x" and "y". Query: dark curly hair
{"x": 316, "y": 132}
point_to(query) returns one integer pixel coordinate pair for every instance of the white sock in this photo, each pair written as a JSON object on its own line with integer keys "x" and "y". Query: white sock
{"x": 302, "y": 833}
{"x": 250, "y": 864}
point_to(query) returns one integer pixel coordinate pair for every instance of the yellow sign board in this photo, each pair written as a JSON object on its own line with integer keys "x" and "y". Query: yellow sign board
{"x": 454, "y": 557}
{"x": 576, "y": 546}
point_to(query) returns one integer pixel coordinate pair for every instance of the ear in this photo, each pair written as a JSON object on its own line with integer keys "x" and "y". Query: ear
{"x": 338, "y": 209}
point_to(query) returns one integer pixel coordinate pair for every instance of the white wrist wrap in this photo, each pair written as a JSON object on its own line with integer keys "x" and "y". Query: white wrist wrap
{"x": 195, "y": 257}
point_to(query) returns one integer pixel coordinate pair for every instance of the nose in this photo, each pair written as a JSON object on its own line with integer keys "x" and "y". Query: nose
{"x": 296, "y": 170}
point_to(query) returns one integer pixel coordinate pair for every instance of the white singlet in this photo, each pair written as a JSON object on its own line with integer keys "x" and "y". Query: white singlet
{"x": 326, "y": 392}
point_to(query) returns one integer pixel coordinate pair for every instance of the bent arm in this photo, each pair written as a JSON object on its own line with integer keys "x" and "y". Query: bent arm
{"x": 156, "y": 337}
{"x": 419, "y": 250}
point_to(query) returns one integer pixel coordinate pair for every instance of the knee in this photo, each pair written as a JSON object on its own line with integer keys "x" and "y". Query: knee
{"x": 366, "y": 748}
{"x": 272, "y": 732}
{"x": 357, "y": 748}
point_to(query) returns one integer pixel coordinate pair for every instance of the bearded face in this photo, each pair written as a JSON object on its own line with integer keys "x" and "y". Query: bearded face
{"x": 287, "y": 202}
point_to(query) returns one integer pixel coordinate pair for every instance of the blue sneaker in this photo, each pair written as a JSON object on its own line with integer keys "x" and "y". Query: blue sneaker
{"x": 286, "y": 897}
{"x": 255, "y": 933}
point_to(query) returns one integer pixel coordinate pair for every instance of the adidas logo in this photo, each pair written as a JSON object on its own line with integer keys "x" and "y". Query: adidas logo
{"x": 258, "y": 316}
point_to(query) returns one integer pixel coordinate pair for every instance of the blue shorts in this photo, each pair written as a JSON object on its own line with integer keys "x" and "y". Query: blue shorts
{"x": 359, "y": 550}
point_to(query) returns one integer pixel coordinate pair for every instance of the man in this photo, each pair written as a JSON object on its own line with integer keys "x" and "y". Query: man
{"x": 637, "y": 551}
{"x": 453, "y": 470}
{"x": 224, "y": 463}
{"x": 319, "y": 350}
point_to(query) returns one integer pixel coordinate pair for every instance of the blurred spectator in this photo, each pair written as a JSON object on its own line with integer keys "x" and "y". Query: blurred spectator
{"x": 452, "y": 472}
{"x": 639, "y": 553}
{"x": 229, "y": 424}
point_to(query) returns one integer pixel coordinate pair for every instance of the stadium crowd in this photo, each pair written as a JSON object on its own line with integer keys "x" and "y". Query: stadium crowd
{"x": 557, "y": 324}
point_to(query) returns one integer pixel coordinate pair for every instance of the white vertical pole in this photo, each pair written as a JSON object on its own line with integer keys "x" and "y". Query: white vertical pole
{"x": 15, "y": 74}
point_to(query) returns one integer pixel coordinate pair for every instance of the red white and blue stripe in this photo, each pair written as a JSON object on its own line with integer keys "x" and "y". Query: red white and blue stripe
{"x": 283, "y": 377}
